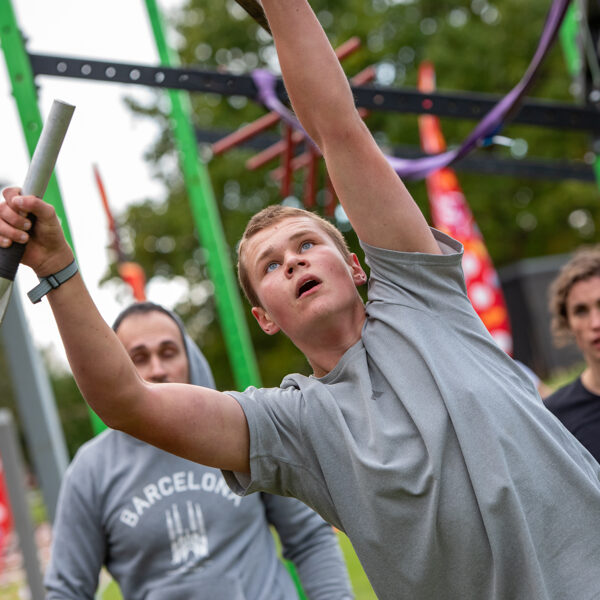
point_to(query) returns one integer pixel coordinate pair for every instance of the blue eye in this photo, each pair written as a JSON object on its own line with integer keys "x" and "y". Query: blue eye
{"x": 271, "y": 267}
{"x": 306, "y": 246}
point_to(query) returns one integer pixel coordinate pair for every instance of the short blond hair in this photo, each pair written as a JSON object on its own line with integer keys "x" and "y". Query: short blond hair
{"x": 584, "y": 265}
{"x": 270, "y": 216}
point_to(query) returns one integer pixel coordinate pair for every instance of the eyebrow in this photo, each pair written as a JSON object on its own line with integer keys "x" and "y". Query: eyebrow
{"x": 583, "y": 305}
{"x": 271, "y": 249}
{"x": 578, "y": 305}
{"x": 144, "y": 347}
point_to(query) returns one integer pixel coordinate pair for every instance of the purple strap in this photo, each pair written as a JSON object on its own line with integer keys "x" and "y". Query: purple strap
{"x": 265, "y": 83}
{"x": 420, "y": 167}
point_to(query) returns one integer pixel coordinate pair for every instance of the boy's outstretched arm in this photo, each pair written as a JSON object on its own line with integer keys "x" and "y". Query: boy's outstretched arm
{"x": 197, "y": 423}
{"x": 378, "y": 205}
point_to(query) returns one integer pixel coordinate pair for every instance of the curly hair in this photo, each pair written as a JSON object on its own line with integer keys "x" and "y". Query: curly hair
{"x": 584, "y": 265}
{"x": 270, "y": 216}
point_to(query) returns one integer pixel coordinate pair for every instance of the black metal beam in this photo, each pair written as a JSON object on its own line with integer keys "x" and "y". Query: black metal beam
{"x": 458, "y": 105}
{"x": 482, "y": 161}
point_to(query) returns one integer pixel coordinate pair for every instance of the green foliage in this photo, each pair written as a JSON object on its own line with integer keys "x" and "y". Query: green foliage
{"x": 565, "y": 376}
{"x": 476, "y": 46}
{"x": 72, "y": 411}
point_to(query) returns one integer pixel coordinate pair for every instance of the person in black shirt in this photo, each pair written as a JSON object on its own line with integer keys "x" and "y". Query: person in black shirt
{"x": 575, "y": 309}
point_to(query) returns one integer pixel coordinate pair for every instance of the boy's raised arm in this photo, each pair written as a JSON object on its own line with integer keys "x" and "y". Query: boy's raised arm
{"x": 378, "y": 205}
{"x": 197, "y": 423}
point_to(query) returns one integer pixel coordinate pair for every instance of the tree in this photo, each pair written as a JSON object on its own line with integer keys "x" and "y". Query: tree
{"x": 73, "y": 412}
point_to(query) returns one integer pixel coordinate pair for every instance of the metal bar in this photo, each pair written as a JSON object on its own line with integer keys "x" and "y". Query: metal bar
{"x": 554, "y": 170}
{"x": 404, "y": 100}
{"x": 14, "y": 470}
{"x": 35, "y": 183}
{"x": 570, "y": 37}
{"x": 245, "y": 133}
{"x": 208, "y": 223}
{"x": 286, "y": 161}
{"x": 305, "y": 159}
{"x": 271, "y": 153}
{"x": 475, "y": 106}
{"x": 35, "y": 402}
{"x": 365, "y": 76}
{"x": 310, "y": 181}
{"x": 176, "y": 78}
{"x": 255, "y": 10}
{"x": 331, "y": 199}
{"x": 270, "y": 119}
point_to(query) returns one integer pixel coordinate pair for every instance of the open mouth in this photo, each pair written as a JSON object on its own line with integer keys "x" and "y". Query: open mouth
{"x": 306, "y": 286}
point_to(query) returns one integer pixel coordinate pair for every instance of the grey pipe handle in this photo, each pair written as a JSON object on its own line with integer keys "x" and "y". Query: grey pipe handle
{"x": 38, "y": 175}
{"x": 47, "y": 149}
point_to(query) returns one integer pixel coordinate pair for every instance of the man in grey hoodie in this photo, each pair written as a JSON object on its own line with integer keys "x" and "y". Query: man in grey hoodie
{"x": 169, "y": 528}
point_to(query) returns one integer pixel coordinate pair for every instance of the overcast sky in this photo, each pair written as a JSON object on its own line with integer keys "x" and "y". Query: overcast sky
{"x": 103, "y": 132}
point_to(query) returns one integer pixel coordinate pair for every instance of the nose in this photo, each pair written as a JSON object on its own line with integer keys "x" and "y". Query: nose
{"x": 595, "y": 318}
{"x": 157, "y": 372}
{"x": 293, "y": 261}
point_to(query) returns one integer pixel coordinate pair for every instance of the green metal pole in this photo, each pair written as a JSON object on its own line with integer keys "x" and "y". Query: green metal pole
{"x": 568, "y": 37}
{"x": 569, "y": 33}
{"x": 25, "y": 94}
{"x": 208, "y": 222}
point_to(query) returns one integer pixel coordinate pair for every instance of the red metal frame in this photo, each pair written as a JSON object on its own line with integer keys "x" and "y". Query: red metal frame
{"x": 284, "y": 149}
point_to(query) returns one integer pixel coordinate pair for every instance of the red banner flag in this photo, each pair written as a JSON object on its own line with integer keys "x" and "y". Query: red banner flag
{"x": 451, "y": 214}
{"x": 130, "y": 272}
{"x": 6, "y": 520}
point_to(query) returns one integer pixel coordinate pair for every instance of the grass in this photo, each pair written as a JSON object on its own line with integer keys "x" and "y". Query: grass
{"x": 564, "y": 376}
{"x": 111, "y": 592}
{"x": 360, "y": 583}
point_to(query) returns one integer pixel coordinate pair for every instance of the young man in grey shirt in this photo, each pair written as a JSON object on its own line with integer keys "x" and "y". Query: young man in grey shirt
{"x": 416, "y": 434}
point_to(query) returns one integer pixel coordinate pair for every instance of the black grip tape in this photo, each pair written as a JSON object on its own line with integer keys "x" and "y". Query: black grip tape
{"x": 9, "y": 260}
{"x": 11, "y": 257}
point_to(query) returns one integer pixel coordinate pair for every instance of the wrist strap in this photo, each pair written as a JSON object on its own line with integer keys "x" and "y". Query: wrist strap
{"x": 51, "y": 282}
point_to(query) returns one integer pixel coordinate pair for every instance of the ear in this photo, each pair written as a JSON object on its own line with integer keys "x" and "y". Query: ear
{"x": 265, "y": 322}
{"x": 358, "y": 274}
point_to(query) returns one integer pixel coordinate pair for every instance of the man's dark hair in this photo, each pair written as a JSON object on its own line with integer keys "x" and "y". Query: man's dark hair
{"x": 141, "y": 308}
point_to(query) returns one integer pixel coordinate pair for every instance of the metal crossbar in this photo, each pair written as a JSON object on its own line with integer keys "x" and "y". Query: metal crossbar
{"x": 458, "y": 105}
